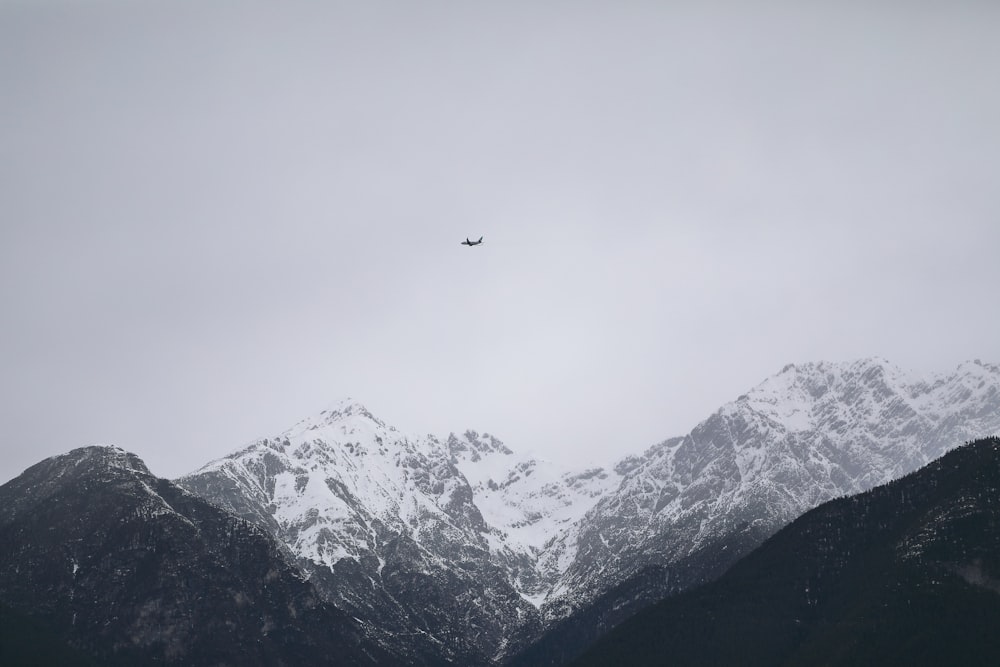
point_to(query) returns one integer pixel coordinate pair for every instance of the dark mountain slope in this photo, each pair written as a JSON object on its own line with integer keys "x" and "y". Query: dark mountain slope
{"x": 97, "y": 553}
{"x": 29, "y": 642}
{"x": 571, "y": 636}
{"x": 907, "y": 573}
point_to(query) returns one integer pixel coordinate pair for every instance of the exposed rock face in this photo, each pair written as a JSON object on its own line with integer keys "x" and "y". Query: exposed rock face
{"x": 131, "y": 569}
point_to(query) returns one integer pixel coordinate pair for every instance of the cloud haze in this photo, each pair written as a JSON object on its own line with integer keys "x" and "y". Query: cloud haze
{"x": 218, "y": 217}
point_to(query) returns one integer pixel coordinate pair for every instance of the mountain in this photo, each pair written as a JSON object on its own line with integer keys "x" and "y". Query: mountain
{"x": 689, "y": 507}
{"x": 103, "y": 563}
{"x": 476, "y": 555}
{"x": 345, "y": 537}
{"x": 436, "y": 540}
{"x": 907, "y": 573}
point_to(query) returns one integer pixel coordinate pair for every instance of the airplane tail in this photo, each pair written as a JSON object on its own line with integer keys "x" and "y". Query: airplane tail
{"x": 480, "y": 240}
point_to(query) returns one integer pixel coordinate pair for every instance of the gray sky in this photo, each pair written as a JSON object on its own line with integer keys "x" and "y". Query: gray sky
{"x": 218, "y": 217}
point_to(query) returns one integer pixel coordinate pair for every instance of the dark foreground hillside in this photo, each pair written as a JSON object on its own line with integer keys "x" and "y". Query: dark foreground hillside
{"x": 905, "y": 574}
{"x": 29, "y": 642}
{"x": 102, "y": 563}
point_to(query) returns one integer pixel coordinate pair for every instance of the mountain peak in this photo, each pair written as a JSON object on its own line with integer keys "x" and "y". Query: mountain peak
{"x": 101, "y": 456}
{"x": 345, "y": 408}
{"x": 343, "y": 411}
{"x": 95, "y": 466}
{"x": 347, "y": 405}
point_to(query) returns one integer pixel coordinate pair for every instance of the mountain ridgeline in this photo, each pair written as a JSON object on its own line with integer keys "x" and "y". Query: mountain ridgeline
{"x": 906, "y": 574}
{"x": 345, "y": 537}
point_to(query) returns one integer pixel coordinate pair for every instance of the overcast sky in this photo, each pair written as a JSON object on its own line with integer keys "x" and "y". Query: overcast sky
{"x": 220, "y": 216}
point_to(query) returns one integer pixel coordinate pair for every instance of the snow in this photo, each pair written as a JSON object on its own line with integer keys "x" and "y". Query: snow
{"x": 530, "y": 501}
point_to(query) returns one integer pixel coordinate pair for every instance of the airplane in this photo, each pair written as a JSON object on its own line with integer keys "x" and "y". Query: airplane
{"x": 472, "y": 243}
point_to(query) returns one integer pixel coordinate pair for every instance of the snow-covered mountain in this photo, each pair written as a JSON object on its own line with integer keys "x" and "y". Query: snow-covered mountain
{"x": 472, "y": 551}
{"x": 804, "y": 436}
{"x": 689, "y": 507}
{"x": 435, "y": 538}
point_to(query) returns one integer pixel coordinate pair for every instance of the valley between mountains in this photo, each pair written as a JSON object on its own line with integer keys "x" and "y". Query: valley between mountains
{"x": 455, "y": 550}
